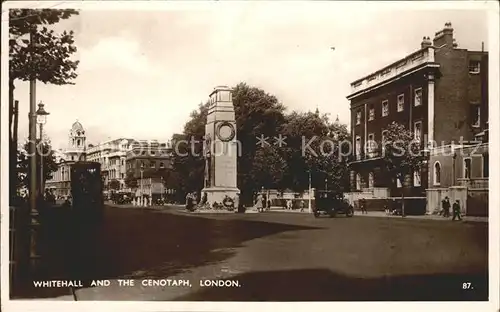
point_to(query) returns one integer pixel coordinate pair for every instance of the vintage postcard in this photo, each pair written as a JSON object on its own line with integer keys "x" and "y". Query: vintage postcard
{"x": 242, "y": 155}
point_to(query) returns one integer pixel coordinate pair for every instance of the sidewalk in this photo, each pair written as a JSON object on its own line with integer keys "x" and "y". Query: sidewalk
{"x": 382, "y": 214}
{"x": 280, "y": 209}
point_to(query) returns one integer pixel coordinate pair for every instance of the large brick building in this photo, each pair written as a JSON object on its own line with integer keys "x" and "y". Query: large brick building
{"x": 148, "y": 156}
{"x": 439, "y": 92}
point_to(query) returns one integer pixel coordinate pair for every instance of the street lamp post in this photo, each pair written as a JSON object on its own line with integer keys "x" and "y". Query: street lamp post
{"x": 326, "y": 184}
{"x": 41, "y": 119}
{"x": 142, "y": 191}
{"x": 33, "y": 251}
{"x": 310, "y": 194}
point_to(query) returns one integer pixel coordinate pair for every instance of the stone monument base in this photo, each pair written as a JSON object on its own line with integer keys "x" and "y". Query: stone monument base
{"x": 209, "y": 211}
{"x": 217, "y": 194}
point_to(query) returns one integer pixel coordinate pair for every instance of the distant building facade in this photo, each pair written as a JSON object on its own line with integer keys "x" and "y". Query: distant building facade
{"x": 149, "y": 157}
{"x": 75, "y": 151}
{"x": 111, "y": 155}
{"x": 439, "y": 92}
{"x": 117, "y": 157}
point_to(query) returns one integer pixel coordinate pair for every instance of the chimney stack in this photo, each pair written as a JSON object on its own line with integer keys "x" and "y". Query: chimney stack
{"x": 444, "y": 37}
{"x": 426, "y": 42}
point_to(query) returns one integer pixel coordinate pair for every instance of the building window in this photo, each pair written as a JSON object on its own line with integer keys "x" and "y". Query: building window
{"x": 385, "y": 108}
{"x": 437, "y": 173}
{"x": 401, "y": 102}
{"x": 371, "y": 144}
{"x": 78, "y": 142}
{"x": 418, "y": 97}
{"x": 358, "y": 117}
{"x": 371, "y": 113}
{"x": 123, "y": 162}
{"x": 416, "y": 178}
{"x": 486, "y": 165}
{"x": 476, "y": 115}
{"x": 474, "y": 67}
{"x": 417, "y": 130}
{"x": 384, "y": 138}
{"x": 467, "y": 168}
{"x": 162, "y": 165}
{"x": 370, "y": 180}
{"x": 152, "y": 153}
{"x": 358, "y": 182}
{"x": 358, "y": 147}
{"x": 152, "y": 164}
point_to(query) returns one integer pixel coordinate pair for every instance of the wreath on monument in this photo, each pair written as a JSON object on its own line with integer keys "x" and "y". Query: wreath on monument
{"x": 228, "y": 202}
{"x": 231, "y": 135}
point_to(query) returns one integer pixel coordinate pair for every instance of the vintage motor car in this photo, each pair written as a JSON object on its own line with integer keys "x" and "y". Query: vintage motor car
{"x": 331, "y": 203}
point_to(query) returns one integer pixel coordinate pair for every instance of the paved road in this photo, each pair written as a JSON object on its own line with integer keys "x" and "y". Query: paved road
{"x": 287, "y": 257}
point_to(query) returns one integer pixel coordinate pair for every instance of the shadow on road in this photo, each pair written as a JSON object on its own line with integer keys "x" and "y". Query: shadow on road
{"x": 325, "y": 285}
{"x": 144, "y": 244}
{"x": 136, "y": 244}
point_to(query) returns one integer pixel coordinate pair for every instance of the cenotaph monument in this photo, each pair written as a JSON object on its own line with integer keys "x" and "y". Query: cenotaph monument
{"x": 221, "y": 149}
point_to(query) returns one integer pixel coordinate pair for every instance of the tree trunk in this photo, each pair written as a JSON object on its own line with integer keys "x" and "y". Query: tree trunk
{"x": 13, "y": 112}
{"x": 403, "y": 202}
{"x": 402, "y": 179}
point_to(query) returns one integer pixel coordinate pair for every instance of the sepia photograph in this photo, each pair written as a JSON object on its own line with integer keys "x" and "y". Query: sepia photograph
{"x": 249, "y": 151}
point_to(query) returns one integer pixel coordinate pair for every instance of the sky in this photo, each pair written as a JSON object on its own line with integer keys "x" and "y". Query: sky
{"x": 141, "y": 73}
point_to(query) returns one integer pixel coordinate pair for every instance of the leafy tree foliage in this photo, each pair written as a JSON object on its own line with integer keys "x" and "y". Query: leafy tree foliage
{"x": 114, "y": 184}
{"x": 130, "y": 179}
{"x": 402, "y": 153}
{"x": 47, "y": 60}
{"x": 268, "y": 168}
{"x": 259, "y": 114}
{"x": 48, "y": 158}
{"x": 315, "y": 147}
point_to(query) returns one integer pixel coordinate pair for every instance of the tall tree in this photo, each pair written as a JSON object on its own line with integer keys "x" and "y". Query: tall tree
{"x": 114, "y": 184}
{"x": 45, "y": 153}
{"x": 315, "y": 147}
{"x": 268, "y": 168}
{"x": 188, "y": 163}
{"x": 46, "y": 59}
{"x": 270, "y": 164}
{"x": 258, "y": 114}
{"x": 402, "y": 154}
{"x": 130, "y": 179}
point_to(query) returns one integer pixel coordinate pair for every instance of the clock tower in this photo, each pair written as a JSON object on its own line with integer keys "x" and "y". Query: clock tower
{"x": 221, "y": 149}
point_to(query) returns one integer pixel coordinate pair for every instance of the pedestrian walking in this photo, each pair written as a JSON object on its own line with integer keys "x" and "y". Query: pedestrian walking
{"x": 446, "y": 207}
{"x": 189, "y": 202}
{"x": 258, "y": 203}
{"x": 302, "y": 205}
{"x": 363, "y": 206}
{"x": 456, "y": 211}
